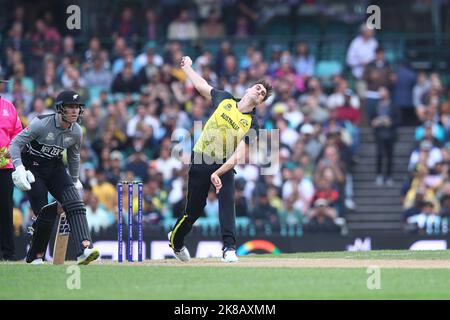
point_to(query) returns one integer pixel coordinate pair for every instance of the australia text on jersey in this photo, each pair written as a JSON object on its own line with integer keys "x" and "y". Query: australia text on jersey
{"x": 263, "y": 145}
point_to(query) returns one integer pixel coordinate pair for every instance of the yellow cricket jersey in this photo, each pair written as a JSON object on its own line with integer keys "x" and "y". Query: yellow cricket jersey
{"x": 225, "y": 127}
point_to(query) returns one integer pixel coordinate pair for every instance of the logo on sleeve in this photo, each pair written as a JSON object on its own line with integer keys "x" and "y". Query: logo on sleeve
{"x": 68, "y": 140}
{"x": 244, "y": 122}
{"x": 5, "y": 113}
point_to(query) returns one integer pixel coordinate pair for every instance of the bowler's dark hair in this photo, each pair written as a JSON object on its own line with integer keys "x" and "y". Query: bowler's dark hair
{"x": 267, "y": 86}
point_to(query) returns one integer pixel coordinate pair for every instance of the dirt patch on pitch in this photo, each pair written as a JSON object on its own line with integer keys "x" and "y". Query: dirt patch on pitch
{"x": 296, "y": 263}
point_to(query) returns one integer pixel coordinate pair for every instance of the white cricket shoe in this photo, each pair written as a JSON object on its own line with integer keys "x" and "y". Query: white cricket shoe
{"x": 88, "y": 256}
{"x": 37, "y": 261}
{"x": 181, "y": 255}
{"x": 229, "y": 255}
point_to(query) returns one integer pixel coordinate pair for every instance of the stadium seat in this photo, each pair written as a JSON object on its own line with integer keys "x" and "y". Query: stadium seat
{"x": 168, "y": 223}
{"x": 211, "y": 45}
{"x": 311, "y": 28}
{"x": 337, "y": 28}
{"x": 278, "y": 27}
{"x": 334, "y": 49}
{"x": 94, "y": 94}
{"x": 327, "y": 68}
{"x": 204, "y": 224}
{"x": 273, "y": 44}
{"x": 242, "y": 224}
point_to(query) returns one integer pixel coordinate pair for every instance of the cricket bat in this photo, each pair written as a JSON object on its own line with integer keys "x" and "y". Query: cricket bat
{"x": 61, "y": 240}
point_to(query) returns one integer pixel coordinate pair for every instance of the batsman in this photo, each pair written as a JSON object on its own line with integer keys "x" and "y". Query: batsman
{"x": 36, "y": 153}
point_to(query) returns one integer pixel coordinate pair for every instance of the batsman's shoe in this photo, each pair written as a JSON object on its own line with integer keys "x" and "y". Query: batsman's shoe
{"x": 182, "y": 254}
{"x": 37, "y": 261}
{"x": 229, "y": 255}
{"x": 88, "y": 256}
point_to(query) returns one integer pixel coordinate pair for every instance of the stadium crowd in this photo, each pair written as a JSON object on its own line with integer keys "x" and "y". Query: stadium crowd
{"x": 138, "y": 99}
{"x": 426, "y": 195}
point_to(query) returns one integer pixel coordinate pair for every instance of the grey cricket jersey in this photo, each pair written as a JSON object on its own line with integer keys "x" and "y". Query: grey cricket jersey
{"x": 45, "y": 139}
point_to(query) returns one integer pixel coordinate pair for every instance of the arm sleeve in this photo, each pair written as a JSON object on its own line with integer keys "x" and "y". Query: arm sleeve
{"x": 252, "y": 134}
{"x": 218, "y": 95}
{"x": 73, "y": 159}
{"x": 27, "y": 135}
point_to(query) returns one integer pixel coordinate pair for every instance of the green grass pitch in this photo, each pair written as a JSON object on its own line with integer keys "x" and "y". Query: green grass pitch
{"x": 175, "y": 282}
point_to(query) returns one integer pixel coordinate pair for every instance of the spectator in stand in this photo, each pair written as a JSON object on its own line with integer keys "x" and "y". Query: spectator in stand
{"x": 421, "y": 87}
{"x": 125, "y": 81}
{"x": 126, "y": 27}
{"x": 230, "y": 71}
{"x": 321, "y": 217}
{"x": 97, "y": 76}
{"x": 149, "y": 58}
{"x": 402, "y": 96}
{"x": 94, "y": 50}
{"x": 103, "y": 190}
{"x": 427, "y": 154}
{"x": 18, "y": 16}
{"x": 224, "y": 51}
{"x": 142, "y": 115}
{"x": 44, "y": 39}
{"x": 127, "y": 58}
{"x": 427, "y": 221}
{"x": 288, "y": 136}
{"x": 413, "y": 210}
{"x": 313, "y": 147}
{"x": 137, "y": 162}
{"x": 155, "y": 201}
{"x": 291, "y": 218}
{"x": 349, "y": 117}
{"x": 240, "y": 200}
{"x": 430, "y": 129}
{"x": 384, "y": 121}
{"x": 360, "y": 53}
{"x": 263, "y": 215}
{"x": 16, "y": 39}
{"x": 39, "y": 109}
{"x": 304, "y": 61}
{"x": 444, "y": 112}
{"x": 298, "y": 186}
{"x": 98, "y": 217}
{"x": 242, "y": 28}
{"x": 68, "y": 50}
{"x": 341, "y": 91}
{"x": 114, "y": 172}
{"x": 152, "y": 28}
{"x": 431, "y": 100}
{"x": 377, "y": 74}
{"x": 445, "y": 213}
{"x": 212, "y": 28}
{"x": 183, "y": 28}
{"x": 167, "y": 165}
{"x": 314, "y": 90}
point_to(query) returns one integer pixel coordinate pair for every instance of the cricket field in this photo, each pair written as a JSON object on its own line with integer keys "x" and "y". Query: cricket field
{"x": 322, "y": 275}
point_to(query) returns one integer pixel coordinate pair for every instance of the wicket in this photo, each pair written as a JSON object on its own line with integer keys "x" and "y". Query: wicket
{"x": 130, "y": 185}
